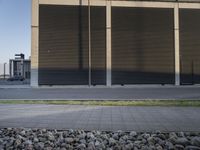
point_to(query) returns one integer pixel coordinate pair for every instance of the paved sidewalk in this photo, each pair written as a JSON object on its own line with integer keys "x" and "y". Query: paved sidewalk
{"x": 103, "y": 93}
{"x": 101, "y": 117}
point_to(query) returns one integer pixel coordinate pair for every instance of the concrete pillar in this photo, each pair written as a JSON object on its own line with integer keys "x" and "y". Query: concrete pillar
{"x": 108, "y": 44}
{"x": 177, "y": 46}
{"x": 10, "y": 68}
{"x": 34, "y": 43}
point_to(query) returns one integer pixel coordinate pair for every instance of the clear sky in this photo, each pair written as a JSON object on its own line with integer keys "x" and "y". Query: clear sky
{"x": 15, "y": 28}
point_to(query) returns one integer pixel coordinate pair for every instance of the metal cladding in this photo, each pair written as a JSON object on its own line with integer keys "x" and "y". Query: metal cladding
{"x": 142, "y": 46}
{"x": 63, "y": 45}
{"x": 115, "y": 42}
{"x": 190, "y": 46}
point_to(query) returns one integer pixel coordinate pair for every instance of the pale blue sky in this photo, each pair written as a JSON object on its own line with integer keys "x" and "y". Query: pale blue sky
{"x": 15, "y": 28}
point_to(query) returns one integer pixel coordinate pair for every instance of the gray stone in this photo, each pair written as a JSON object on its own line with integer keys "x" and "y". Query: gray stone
{"x": 28, "y": 142}
{"x": 159, "y": 147}
{"x": 192, "y": 148}
{"x": 71, "y": 131}
{"x": 181, "y": 134}
{"x": 48, "y": 148}
{"x": 179, "y": 147}
{"x": 65, "y": 134}
{"x": 97, "y": 143}
{"x": 23, "y": 133}
{"x": 44, "y": 130}
{"x": 42, "y": 139}
{"x": 173, "y": 139}
{"x": 169, "y": 145}
{"x": 104, "y": 136}
{"x": 35, "y": 140}
{"x": 115, "y": 136}
{"x": 83, "y": 141}
{"x": 69, "y": 147}
{"x": 158, "y": 132}
{"x": 20, "y": 137}
{"x": 81, "y": 146}
{"x": 137, "y": 142}
{"x": 151, "y": 140}
{"x": 29, "y": 147}
{"x": 82, "y": 136}
{"x": 91, "y": 146}
{"x": 129, "y": 146}
{"x": 145, "y": 148}
{"x": 112, "y": 141}
{"x": 1, "y": 141}
{"x": 40, "y": 146}
{"x": 182, "y": 141}
{"x": 117, "y": 147}
{"x": 90, "y": 135}
{"x": 133, "y": 134}
{"x": 172, "y": 135}
{"x": 161, "y": 136}
{"x": 195, "y": 141}
{"x": 50, "y": 136}
{"x": 17, "y": 142}
{"x": 96, "y": 140}
{"x": 69, "y": 140}
{"x": 63, "y": 144}
{"x": 146, "y": 135}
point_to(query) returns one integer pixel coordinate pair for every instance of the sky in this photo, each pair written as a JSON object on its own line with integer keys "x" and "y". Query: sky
{"x": 15, "y": 29}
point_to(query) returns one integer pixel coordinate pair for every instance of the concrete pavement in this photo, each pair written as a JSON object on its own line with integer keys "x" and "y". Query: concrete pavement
{"x": 102, "y": 93}
{"x": 101, "y": 117}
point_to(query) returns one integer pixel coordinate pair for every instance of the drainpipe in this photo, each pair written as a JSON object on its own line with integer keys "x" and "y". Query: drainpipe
{"x": 89, "y": 42}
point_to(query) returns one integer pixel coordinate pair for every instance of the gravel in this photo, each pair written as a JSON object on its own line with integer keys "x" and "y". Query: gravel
{"x": 43, "y": 139}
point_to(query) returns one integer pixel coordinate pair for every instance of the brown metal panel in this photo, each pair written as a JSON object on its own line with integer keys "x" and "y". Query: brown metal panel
{"x": 190, "y": 46}
{"x": 63, "y": 45}
{"x": 98, "y": 45}
{"x": 142, "y": 46}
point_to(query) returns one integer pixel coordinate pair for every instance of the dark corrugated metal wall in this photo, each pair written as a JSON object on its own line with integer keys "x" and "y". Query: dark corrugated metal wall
{"x": 98, "y": 45}
{"x": 63, "y": 45}
{"x": 142, "y": 46}
{"x": 190, "y": 46}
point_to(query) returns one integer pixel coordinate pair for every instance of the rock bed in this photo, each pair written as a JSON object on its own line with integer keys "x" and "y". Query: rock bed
{"x": 42, "y": 139}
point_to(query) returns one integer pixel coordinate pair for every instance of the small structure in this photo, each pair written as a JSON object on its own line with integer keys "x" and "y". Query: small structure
{"x": 20, "y": 66}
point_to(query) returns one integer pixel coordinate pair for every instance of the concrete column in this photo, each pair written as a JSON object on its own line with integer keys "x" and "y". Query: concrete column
{"x": 10, "y": 68}
{"x": 108, "y": 44}
{"x": 177, "y": 46}
{"x": 34, "y": 43}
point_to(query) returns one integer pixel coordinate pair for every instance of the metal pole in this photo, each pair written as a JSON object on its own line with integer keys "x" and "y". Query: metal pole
{"x": 89, "y": 42}
{"x": 4, "y": 69}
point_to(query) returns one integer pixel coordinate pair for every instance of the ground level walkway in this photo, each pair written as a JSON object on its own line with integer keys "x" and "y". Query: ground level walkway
{"x": 140, "y": 92}
{"x": 100, "y": 117}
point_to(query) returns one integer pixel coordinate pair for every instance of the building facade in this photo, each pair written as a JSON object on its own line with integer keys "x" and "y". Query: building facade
{"x": 20, "y": 67}
{"x": 115, "y": 42}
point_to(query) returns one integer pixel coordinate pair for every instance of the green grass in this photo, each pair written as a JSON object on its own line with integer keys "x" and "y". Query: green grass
{"x": 185, "y": 103}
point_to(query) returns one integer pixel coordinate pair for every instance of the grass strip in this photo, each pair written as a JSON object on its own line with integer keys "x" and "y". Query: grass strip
{"x": 181, "y": 103}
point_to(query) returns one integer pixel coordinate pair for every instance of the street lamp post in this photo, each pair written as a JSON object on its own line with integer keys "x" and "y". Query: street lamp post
{"x": 4, "y": 69}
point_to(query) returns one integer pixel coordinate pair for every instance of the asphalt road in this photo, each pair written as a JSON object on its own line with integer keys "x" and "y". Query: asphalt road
{"x": 117, "y": 93}
{"x": 104, "y": 118}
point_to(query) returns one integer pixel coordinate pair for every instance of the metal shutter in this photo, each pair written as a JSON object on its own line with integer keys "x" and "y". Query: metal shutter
{"x": 142, "y": 46}
{"x": 190, "y": 46}
{"x": 63, "y": 53}
{"x": 98, "y": 45}
{"x": 63, "y": 45}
